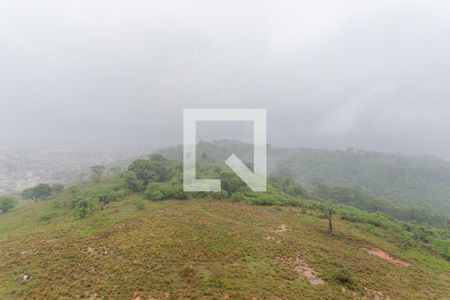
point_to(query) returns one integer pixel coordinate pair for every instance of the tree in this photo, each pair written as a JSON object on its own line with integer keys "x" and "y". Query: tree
{"x": 97, "y": 172}
{"x": 42, "y": 191}
{"x": 7, "y": 203}
{"x": 145, "y": 170}
{"x": 131, "y": 181}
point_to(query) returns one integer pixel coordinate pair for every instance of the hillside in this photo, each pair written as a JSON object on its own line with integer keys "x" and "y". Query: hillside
{"x": 408, "y": 182}
{"x": 209, "y": 249}
{"x": 138, "y": 235}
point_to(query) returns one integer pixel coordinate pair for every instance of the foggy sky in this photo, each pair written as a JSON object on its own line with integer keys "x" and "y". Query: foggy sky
{"x": 332, "y": 74}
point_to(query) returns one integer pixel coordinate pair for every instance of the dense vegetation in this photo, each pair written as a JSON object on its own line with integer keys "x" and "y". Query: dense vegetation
{"x": 370, "y": 203}
{"x": 406, "y": 187}
{"x": 421, "y": 183}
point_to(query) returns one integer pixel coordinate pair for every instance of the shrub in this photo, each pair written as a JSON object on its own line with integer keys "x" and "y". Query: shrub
{"x": 179, "y": 193}
{"x": 259, "y": 201}
{"x": 314, "y": 204}
{"x": 293, "y": 203}
{"x": 422, "y": 234}
{"x": 161, "y": 191}
{"x": 220, "y": 195}
{"x": 106, "y": 196}
{"x": 155, "y": 195}
{"x": 45, "y": 218}
{"x": 202, "y": 194}
{"x": 405, "y": 242}
{"x": 343, "y": 276}
{"x": 83, "y": 205}
{"x": 164, "y": 189}
{"x": 140, "y": 204}
{"x": 237, "y": 197}
{"x": 119, "y": 194}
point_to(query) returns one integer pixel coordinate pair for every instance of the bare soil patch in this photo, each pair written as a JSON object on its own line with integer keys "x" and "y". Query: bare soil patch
{"x": 272, "y": 238}
{"x": 281, "y": 228}
{"x": 381, "y": 254}
{"x": 97, "y": 252}
{"x": 303, "y": 269}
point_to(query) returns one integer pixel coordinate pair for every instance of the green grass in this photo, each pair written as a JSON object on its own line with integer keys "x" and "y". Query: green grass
{"x": 194, "y": 249}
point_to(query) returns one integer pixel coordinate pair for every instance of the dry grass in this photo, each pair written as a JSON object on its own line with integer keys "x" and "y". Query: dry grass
{"x": 199, "y": 249}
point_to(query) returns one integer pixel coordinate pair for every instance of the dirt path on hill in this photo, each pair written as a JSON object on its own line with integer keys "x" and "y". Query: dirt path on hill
{"x": 383, "y": 255}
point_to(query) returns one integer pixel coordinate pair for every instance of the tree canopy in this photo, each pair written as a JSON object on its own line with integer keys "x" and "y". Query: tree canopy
{"x": 7, "y": 203}
{"x": 42, "y": 191}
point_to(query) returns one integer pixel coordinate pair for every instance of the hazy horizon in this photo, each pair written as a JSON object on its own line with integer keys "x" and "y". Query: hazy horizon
{"x": 134, "y": 152}
{"x": 105, "y": 74}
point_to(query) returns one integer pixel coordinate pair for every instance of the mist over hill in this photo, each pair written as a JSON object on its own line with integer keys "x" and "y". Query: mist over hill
{"x": 415, "y": 182}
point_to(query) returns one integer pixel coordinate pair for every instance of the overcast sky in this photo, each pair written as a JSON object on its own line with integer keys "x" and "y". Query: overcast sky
{"x": 332, "y": 74}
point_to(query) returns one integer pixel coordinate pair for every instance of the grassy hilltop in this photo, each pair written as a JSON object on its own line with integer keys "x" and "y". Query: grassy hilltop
{"x": 138, "y": 236}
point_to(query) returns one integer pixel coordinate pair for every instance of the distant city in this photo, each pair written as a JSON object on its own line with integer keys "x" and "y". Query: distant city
{"x": 20, "y": 170}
